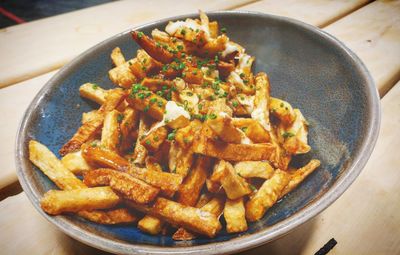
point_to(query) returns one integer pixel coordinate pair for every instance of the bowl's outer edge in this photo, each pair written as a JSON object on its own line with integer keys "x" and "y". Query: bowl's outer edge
{"x": 237, "y": 244}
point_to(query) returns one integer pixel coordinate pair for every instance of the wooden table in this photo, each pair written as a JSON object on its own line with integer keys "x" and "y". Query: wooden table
{"x": 364, "y": 220}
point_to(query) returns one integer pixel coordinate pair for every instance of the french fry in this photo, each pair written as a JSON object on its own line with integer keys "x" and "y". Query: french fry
{"x": 252, "y": 129}
{"x": 214, "y": 186}
{"x": 128, "y": 186}
{"x": 234, "y": 185}
{"x": 160, "y": 36}
{"x": 266, "y": 196}
{"x": 235, "y": 216}
{"x": 110, "y": 135}
{"x": 282, "y": 110}
{"x": 47, "y": 162}
{"x": 155, "y": 84}
{"x": 96, "y": 156}
{"x": 231, "y": 152}
{"x": 110, "y": 216}
{"x": 215, "y": 206}
{"x": 189, "y": 190}
{"x": 128, "y": 123}
{"x": 261, "y": 101}
{"x": 150, "y": 224}
{"x": 153, "y": 140}
{"x": 59, "y": 201}
{"x": 89, "y": 116}
{"x": 223, "y": 127}
{"x": 75, "y": 162}
{"x": 117, "y": 57}
{"x": 295, "y": 136}
{"x": 140, "y": 152}
{"x": 149, "y": 45}
{"x": 147, "y": 102}
{"x": 251, "y": 169}
{"x": 122, "y": 75}
{"x": 184, "y": 136}
{"x": 191, "y": 218}
{"x": 93, "y": 92}
{"x": 213, "y": 26}
{"x": 299, "y": 175}
{"x": 88, "y": 129}
{"x": 180, "y": 159}
{"x": 167, "y": 182}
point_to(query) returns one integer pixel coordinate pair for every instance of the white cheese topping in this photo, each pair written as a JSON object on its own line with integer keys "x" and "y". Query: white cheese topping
{"x": 259, "y": 115}
{"x": 235, "y": 78}
{"x": 246, "y": 101}
{"x": 243, "y": 61}
{"x": 173, "y": 111}
{"x": 229, "y": 48}
{"x": 172, "y": 27}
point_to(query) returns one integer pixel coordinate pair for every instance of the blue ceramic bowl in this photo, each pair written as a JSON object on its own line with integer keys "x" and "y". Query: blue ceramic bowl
{"x": 307, "y": 67}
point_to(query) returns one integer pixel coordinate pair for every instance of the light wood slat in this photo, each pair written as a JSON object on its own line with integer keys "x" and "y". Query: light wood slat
{"x": 364, "y": 220}
{"x": 373, "y": 33}
{"x": 13, "y": 102}
{"x": 37, "y": 47}
{"x": 316, "y": 12}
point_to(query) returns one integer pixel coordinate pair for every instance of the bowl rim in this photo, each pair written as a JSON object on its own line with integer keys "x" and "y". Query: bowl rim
{"x": 245, "y": 241}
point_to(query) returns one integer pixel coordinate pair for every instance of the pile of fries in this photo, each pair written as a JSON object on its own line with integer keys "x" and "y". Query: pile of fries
{"x": 189, "y": 135}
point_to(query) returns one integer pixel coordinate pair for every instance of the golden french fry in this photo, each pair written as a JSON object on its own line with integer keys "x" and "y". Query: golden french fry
{"x": 88, "y": 129}
{"x": 147, "y": 101}
{"x": 110, "y": 135}
{"x": 117, "y": 57}
{"x": 214, "y": 186}
{"x": 128, "y": 123}
{"x": 191, "y": 218}
{"x": 215, "y": 206}
{"x": 223, "y": 127}
{"x": 295, "y": 136}
{"x": 149, "y": 45}
{"x": 160, "y": 36}
{"x": 299, "y": 175}
{"x": 128, "y": 186}
{"x": 282, "y": 110}
{"x": 229, "y": 151}
{"x": 213, "y": 26}
{"x": 110, "y": 216}
{"x": 59, "y": 201}
{"x": 235, "y": 216}
{"x": 93, "y": 92}
{"x": 140, "y": 152}
{"x": 75, "y": 162}
{"x": 184, "y": 136}
{"x": 96, "y": 156}
{"x": 154, "y": 139}
{"x": 252, "y": 129}
{"x": 266, "y": 196}
{"x": 189, "y": 190}
{"x": 155, "y": 84}
{"x": 49, "y": 164}
{"x": 251, "y": 169}
{"x": 261, "y": 101}
{"x": 234, "y": 185}
{"x": 180, "y": 159}
{"x": 89, "y": 116}
{"x": 122, "y": 75}
{"x": 150, "y": 224}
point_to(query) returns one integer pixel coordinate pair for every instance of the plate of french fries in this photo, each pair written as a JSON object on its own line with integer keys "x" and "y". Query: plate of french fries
{"x": 206, "y": 133}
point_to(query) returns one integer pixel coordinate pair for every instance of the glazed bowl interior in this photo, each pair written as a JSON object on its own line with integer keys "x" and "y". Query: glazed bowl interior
{"x": 307, "y": 67}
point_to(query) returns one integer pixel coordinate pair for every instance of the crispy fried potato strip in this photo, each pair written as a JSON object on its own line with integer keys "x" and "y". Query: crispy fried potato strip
{"x": 254, "y": 169}
{"x": 75, "y": 162}
{"x": 235, "y": 216}
{"x": 59, "y": 201}
{"x": 191, "y": 218}
{"x": 128, "y": 186}
{"x": 266, "y": 196}
{"x": 93, "y": 92}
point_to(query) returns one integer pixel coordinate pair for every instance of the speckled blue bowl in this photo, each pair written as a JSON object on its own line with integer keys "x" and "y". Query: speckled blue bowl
{"x": 307, "y": 67}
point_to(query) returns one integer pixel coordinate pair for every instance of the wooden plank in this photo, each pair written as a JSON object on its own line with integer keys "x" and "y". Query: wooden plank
{"x": 373, "y": 33}
{"x": 37, "y": 47}
{"x": 316, "y": 12}
{"x": 364, "y": 220}
{"x": 13, "y": 102}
